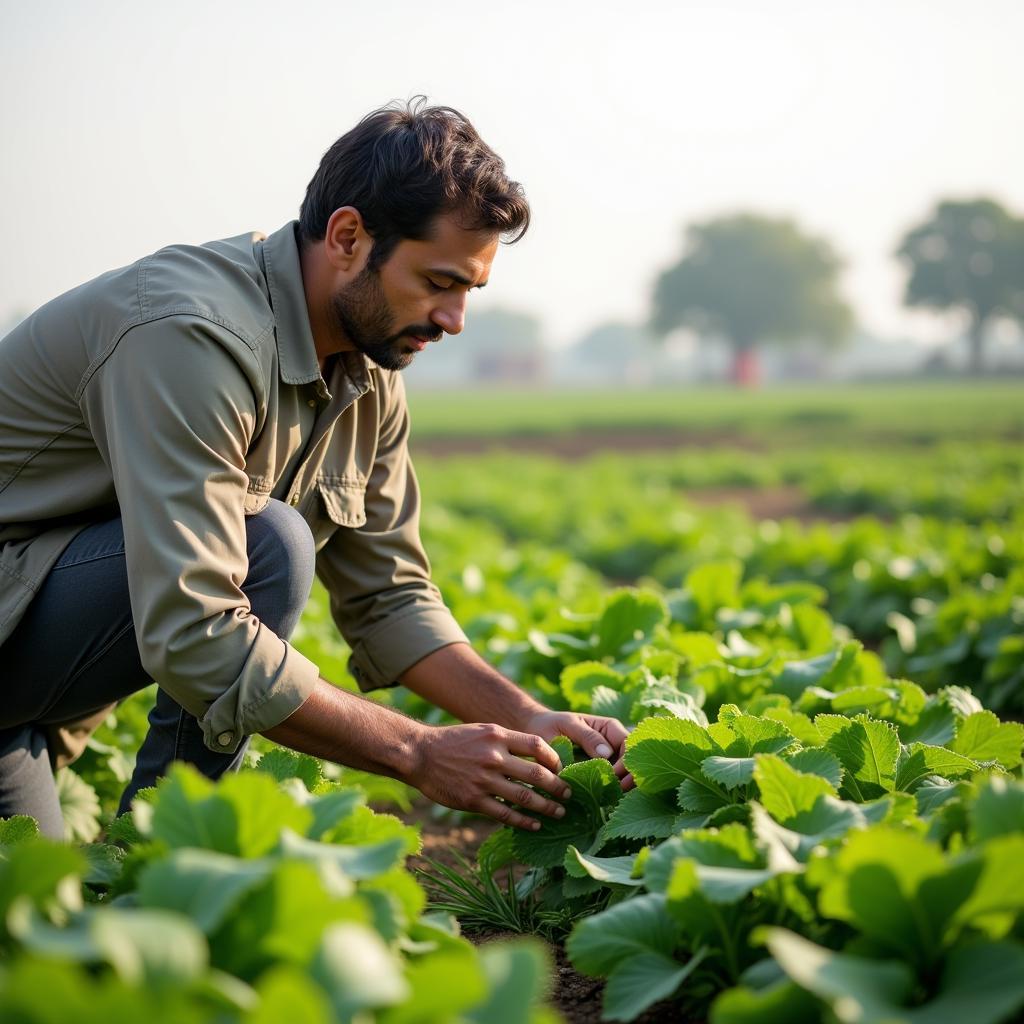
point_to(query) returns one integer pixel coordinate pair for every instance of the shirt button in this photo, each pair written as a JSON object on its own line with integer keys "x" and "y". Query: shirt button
{"x": 312, "y": 403}
{"x": 293, "y": 500}
{"x": 225, "y": 738}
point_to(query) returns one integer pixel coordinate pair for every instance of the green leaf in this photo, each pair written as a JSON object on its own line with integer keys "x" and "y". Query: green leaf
{"x": 516, "y": 974}
{"x": 818, "y": 761}
{"x": 797, "y": 676}
{"x": 982, "y": 983}
{"x": 997, "y": 898}
{"x": 858, "y": 990}
{"x": 358, "y": 971}
{"x": 17, "y": 829}
{"x": 998, "y": 808}
{"x": 868, "y": 750}
{"x": 562, "y": 746}
{"x": 283, "y": 764}
{"x": 609, "y": 870}
{"x": 629, "y": 620}
{"x": 898, "y": 889}
{"x": 982, "y": 737}
{"x": 935, "y": 725}
{"x": 642, "y": 980}
{"x": 662, "y": 752}
{"x": 358, "y": 861}
{"x": 42, "y": 872}
{"x": 919, "y": 761}
{"x": 79, "y": 806}
{"x": 443, "y": 984}
{"x": 331, "y": 808}
{"x": 638, "y": 925}
{"x": 728, "y": 771}
{"x": 640, "y": 815}
{"x": 104, "y": 864}
{"x": 786, "y": 792}
{"x": 202, "y": 885}
{"x": 578, "y": 682}
{"x": 715, "y": 585}
{"x": 144, "y": 947}
{"x": 780, "y": 1003}
{"x": 595, "y": 790}
{"x": 282, "y": 919}
{"x": 612, "y": 704}
{"x": 288, "y": 994}
{"x": 242, "y": 815}
{"x": 365, "y": 827}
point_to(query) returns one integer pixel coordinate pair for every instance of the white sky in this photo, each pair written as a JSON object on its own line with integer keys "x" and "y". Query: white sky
{"x": 128, "y": 125}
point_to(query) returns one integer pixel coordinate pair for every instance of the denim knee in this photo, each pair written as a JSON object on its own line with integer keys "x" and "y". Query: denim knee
{"x": 282, "y": 561}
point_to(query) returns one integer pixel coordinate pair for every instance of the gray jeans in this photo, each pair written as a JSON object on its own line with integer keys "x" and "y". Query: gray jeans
{"x": 74, "y": 653}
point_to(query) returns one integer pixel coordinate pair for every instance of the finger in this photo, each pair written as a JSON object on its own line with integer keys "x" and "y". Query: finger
{"x": 593, "y": 742}
{"x": 506, "y": 814}
{"x": 525, "y": 744}
{"x": 528, "y": 799}
{"x": 627, "y": 782}
{"x": 617, "y": 734}
{"x": 619, "y": 768}
{"x": 536, "y": 775}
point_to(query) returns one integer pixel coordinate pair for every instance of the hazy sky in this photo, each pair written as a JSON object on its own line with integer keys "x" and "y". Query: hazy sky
{"x": 127, "y": 126}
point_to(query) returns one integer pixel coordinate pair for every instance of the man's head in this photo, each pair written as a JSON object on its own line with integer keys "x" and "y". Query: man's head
{"x": 409, "y": 207}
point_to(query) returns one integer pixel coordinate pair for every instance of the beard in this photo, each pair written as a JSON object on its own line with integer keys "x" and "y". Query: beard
{"x": 361, "y": 312}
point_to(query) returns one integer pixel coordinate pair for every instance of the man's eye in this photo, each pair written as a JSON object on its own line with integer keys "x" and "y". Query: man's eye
{"x": 435, "y": 287}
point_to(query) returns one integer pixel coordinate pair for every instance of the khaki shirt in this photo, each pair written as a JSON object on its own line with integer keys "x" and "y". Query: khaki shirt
{"x": 183, "y": 392}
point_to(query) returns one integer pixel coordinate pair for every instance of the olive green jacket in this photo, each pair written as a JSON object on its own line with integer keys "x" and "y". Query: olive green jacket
{"x": 183, "y": 392}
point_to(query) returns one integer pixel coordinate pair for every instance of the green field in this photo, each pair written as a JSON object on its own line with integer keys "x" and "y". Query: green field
{"x": 914, "y": 412}
{"x": 808, "y": 607}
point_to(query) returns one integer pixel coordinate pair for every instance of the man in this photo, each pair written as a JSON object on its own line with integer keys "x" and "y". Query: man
{"x": 185, "y": 440}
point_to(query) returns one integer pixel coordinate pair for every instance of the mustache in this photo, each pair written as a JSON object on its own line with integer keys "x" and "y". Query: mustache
{"x": 430, "y": 333}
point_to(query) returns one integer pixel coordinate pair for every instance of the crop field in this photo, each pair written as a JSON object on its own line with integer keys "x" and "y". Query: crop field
{"x": 807, "y": 606}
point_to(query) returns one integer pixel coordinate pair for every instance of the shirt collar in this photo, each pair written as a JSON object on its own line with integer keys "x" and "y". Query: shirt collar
{"x": 296, "y": 350}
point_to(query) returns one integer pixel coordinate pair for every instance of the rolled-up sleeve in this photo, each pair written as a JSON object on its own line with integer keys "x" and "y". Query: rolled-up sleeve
{"x": 377, "y": 575}
{"x": 173, "y": 409}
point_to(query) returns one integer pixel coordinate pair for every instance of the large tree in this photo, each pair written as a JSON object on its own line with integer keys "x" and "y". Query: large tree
{"x": 968, "y": 255}
{"x": 751, "y": 279}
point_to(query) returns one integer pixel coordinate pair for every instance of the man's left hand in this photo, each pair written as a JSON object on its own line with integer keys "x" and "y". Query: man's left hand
{"x": 597, "y": 735}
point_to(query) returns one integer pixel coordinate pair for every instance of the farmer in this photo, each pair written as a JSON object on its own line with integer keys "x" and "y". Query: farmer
{"x": 185, "y": 440}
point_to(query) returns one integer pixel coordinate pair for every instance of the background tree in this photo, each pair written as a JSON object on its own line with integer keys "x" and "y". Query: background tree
{"x": 751, "y": 279}
{"x": 968, "y": 255}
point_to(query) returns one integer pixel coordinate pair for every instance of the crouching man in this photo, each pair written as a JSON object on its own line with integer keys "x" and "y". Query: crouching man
{"x": 185, "y": 441}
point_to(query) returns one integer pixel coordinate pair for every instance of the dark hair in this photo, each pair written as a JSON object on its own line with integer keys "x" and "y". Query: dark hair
{"x": 405, "y": 164}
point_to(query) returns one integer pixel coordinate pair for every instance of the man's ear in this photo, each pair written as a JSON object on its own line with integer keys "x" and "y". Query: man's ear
{"x": 347, "y": 243}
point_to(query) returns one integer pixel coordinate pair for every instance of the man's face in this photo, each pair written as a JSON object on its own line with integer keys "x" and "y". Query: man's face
{"x": 418, "y": 295}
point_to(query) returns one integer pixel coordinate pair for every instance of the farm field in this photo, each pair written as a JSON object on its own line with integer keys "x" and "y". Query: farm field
{"x": 808, "y": 606}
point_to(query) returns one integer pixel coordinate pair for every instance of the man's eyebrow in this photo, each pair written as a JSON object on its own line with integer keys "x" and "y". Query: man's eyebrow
{"x": 455, "y": 276}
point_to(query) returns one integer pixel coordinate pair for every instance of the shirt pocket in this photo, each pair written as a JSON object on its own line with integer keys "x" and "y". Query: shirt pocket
{"x": 343, "y": 499}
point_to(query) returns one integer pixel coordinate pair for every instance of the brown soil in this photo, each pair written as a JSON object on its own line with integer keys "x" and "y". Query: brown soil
{"x": 575, "y": 996}
{"x": 780, "y": 502}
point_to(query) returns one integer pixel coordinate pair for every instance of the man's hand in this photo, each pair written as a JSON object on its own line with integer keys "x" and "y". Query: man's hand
{"x": 597, "y": 735}
{"x": 469, "y": 767}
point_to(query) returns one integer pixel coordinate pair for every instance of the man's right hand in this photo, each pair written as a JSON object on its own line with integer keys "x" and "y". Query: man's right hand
{"x": 480, "y": 768}
{"x": 476, "y": 767}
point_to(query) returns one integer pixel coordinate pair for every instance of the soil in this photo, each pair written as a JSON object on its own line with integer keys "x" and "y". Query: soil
{"x": 574, "y": 995}
{"x": 780, "y": 502}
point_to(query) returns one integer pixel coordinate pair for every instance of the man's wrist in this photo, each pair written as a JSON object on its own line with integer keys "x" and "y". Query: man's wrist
{"x": 407, "y": 755}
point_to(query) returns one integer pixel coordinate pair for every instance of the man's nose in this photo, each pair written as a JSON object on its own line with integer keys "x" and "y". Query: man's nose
{"x": 450, "y": 315}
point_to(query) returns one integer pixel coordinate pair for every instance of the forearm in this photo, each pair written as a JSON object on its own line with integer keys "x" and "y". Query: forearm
{"x": 347, "y": 729}
{"x": 457, "y": 679}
